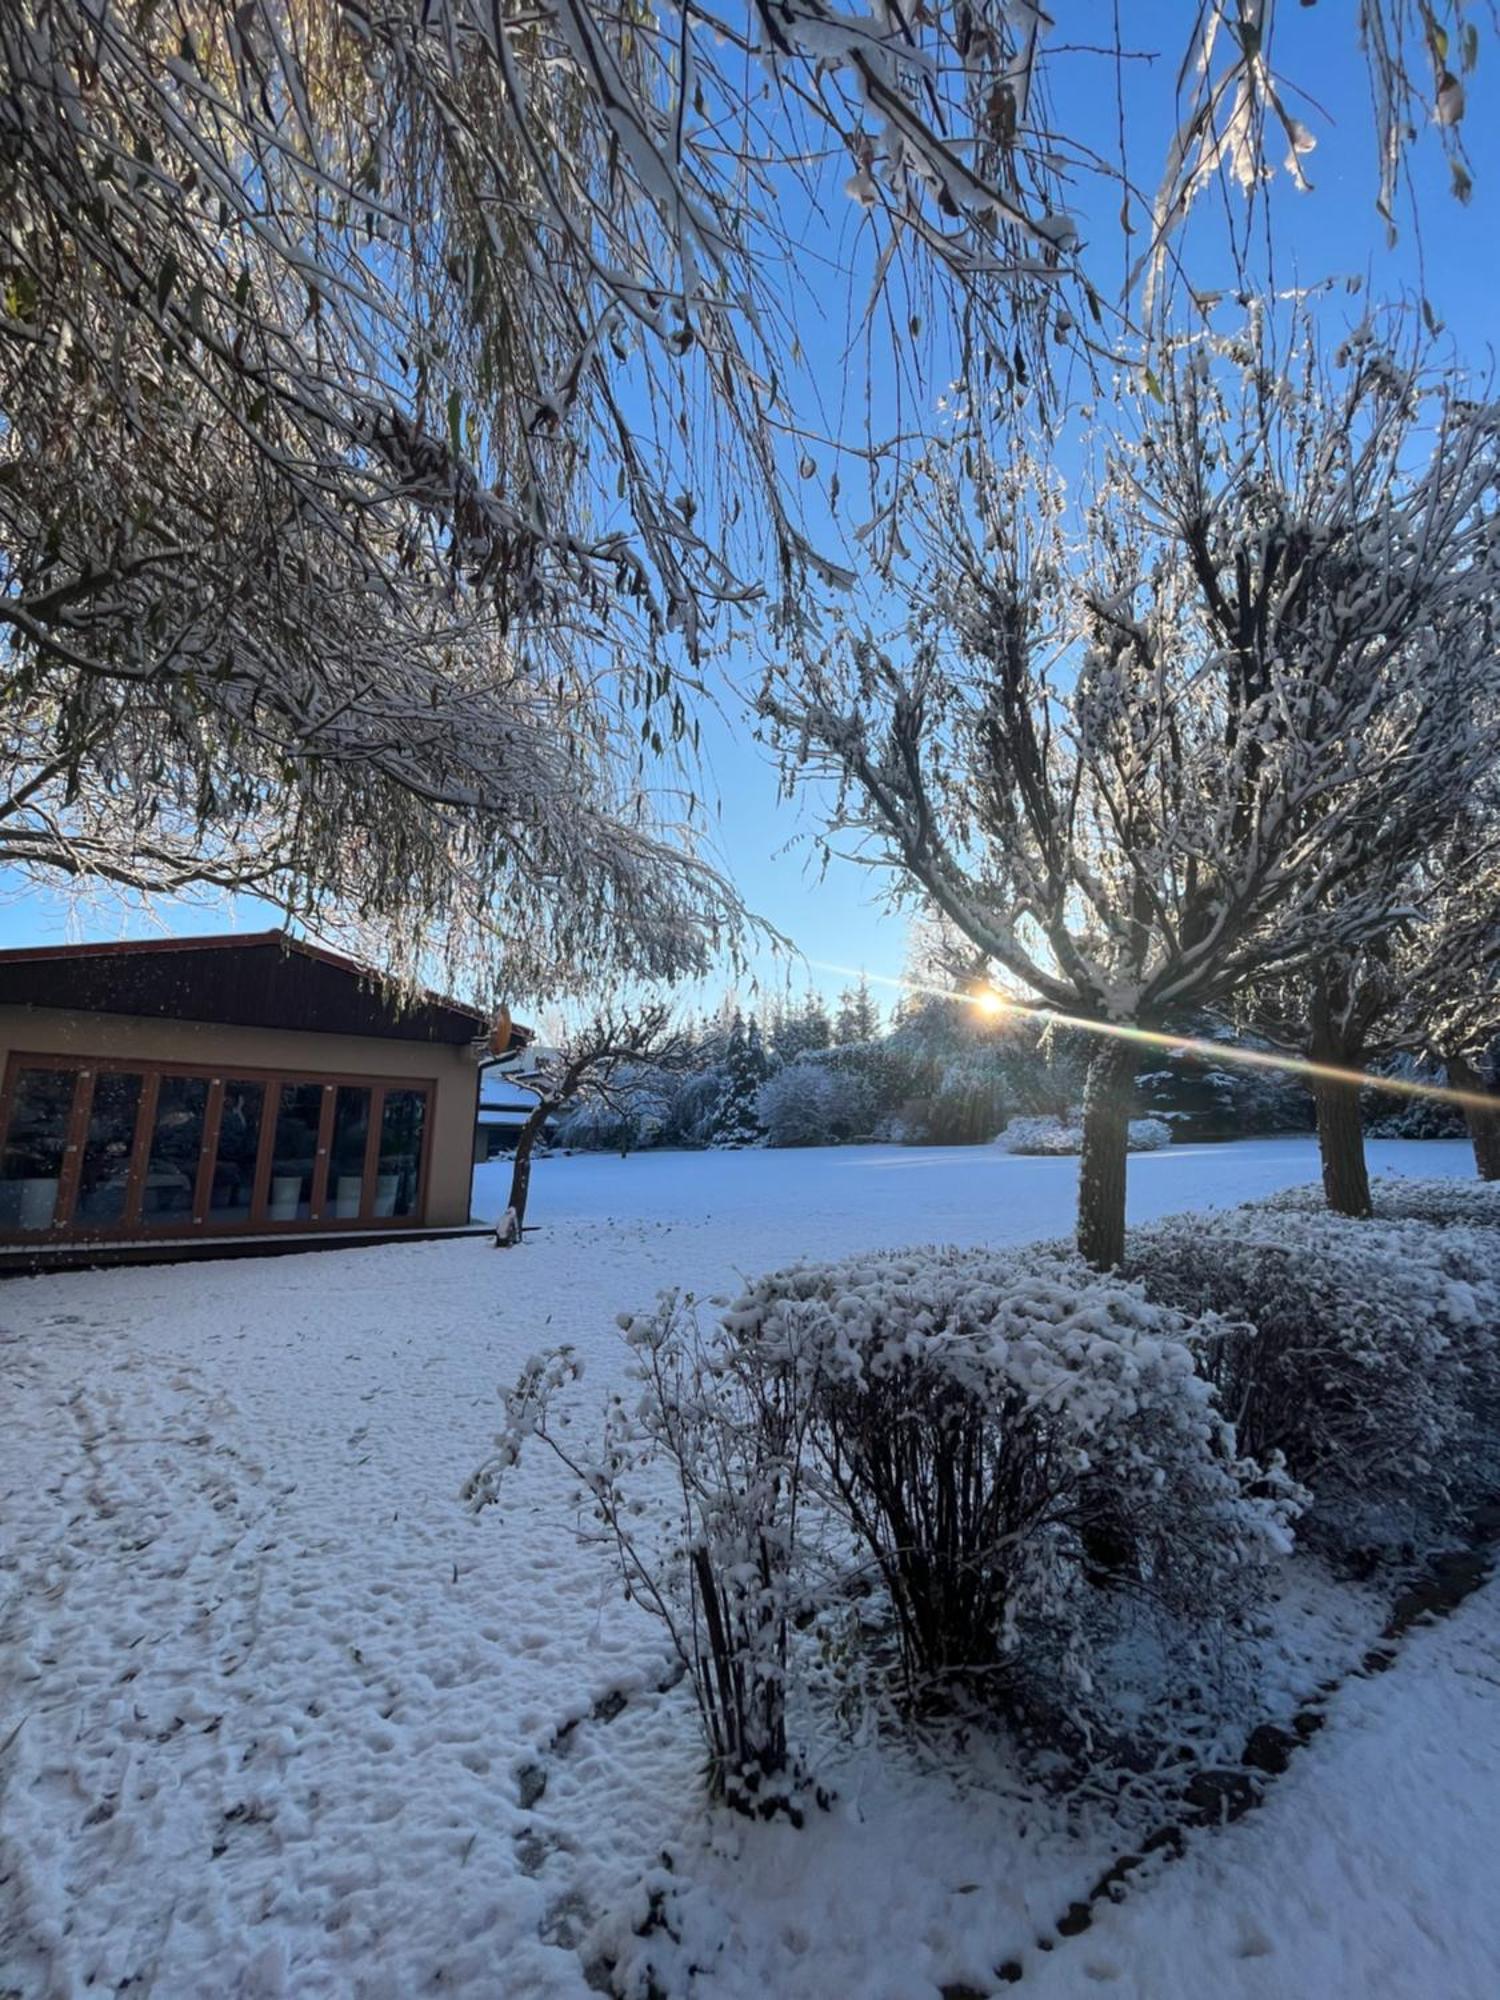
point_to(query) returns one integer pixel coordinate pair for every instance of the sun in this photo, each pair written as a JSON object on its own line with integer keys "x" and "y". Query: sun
{"x": 990, "y": 1003}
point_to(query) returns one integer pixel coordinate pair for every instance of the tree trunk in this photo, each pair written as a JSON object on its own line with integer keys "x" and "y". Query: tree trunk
{"x": 1484, "y": 1126}
{"x": 1334, "y": 1041}
{"x": 1101, "y": 1164}
{"x": 520, "y": 1173}
{"x": 1341, "y": 1147}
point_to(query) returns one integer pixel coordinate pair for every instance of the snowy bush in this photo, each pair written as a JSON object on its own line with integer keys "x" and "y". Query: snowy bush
{"x": 1065, "y": 1135}
{"x": 1366, "y": 1354}
{"x": 610, "y": 1125}
{"x": 695, "y": 1107}
{"x": 1204, "y": 1099}
{"x": 1442, "y": 1201}
{"x": 1394, "y": 1115}
{"x": 809, "y": 1103}
{"x": 998, "y": 1432}
{"x": 709, "y": 1551}
{"x": 1006, "y": 1444}
{"x": 967, "y": 1107}
{"x": 1148, "y": 1135}
{"x": 1041, "y": 1135}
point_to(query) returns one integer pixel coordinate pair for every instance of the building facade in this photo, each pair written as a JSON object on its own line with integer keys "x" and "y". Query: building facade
{"x": 220, "y": 1089}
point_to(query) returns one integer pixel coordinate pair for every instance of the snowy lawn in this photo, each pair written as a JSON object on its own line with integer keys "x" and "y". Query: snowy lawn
{"x": 278, "y": 1717}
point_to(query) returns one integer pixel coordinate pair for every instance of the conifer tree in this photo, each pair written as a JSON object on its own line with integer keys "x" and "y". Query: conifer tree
{"x": 858, "y": 1018}
{"x": 737, "y": 1122}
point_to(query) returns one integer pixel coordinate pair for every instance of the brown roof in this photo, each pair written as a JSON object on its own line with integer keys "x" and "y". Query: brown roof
{"x": 260, "y": 979}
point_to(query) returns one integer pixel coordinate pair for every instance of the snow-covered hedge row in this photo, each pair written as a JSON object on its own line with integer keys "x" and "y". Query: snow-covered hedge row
{"x": 1442, "y": 1200}
{"x": 1065, "y": 1135}
{"x": 1001, "y": 1431}
{"x": 1367, "y": 1353}
{"x": 1003, "y": 1445}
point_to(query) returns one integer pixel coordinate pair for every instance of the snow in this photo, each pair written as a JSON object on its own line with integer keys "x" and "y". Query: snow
{"x": 271, "y": 1700}
{"x": 776, "y": 1205}
{"x": 1369, "y": 1872}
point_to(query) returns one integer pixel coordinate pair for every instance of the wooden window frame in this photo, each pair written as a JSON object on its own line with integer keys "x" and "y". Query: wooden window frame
{"x": 132, "y": 1228}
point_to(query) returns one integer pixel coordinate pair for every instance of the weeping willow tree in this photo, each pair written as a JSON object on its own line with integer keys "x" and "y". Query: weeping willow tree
{"x": 393, "y": 392}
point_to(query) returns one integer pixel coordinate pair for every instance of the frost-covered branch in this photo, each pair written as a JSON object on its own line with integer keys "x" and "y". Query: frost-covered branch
{"x": 1199, "y": 733}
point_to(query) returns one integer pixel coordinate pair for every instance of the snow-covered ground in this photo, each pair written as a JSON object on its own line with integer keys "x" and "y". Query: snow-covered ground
{"x": 278, "y": 1717}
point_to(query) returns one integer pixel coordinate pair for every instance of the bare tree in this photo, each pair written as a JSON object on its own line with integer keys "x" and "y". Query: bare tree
{"x": 607, "y": 1062}
{"x": 1139, "y": 768}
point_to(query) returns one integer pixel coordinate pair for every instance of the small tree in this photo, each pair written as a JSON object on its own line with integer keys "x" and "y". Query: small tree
{"x": 1138, "y": 772}
{"x": 737, "y": 1122}
{"x": 610, "y": 1061}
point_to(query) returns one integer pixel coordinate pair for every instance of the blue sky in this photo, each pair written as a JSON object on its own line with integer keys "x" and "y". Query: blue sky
{"x": 766, "y": 844}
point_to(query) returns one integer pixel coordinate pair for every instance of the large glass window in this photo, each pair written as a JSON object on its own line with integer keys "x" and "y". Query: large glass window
{"x": 399, "y": 1168}
{"x": 35, "y": 1143}
{"x": 346, "y": 1162}
{"x": 104, "y": 1173}
{"x": 233, "y": 1187}
{"x": 176, "y": 1146}
{"x": 101, "y": 1148}
{"x": 294, "y": 1154}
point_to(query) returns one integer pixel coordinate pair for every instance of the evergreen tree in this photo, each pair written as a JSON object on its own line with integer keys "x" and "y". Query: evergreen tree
{"x": 800, "y": 1030}
{"x": 858, "y": 1018}
{"x": 737, "y": 1122}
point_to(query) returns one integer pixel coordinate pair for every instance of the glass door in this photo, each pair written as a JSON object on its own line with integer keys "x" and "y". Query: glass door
{"x": 295, "y": 1154}
{"x": 398, "y": 1172}
{"x": 106, "y": 1150}
{"x": 35, "y": 1151}
{"x": 169, "y": 1191}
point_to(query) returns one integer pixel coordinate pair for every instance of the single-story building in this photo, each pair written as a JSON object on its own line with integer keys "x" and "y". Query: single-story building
{"x": 504, "y": 1107}
{"x": 227, "y": 1091}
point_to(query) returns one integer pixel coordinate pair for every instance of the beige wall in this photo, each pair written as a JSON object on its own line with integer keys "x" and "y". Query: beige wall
{"x": 219, "y": 1049}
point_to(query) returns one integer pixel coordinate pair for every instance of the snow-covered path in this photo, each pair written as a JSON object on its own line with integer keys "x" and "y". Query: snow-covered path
{"x": 1369, "y": 1873}
{"x": 273, "y": 1708}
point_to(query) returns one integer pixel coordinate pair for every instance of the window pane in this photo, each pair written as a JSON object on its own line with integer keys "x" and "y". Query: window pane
{"x": 176, "y": 1143}
{"x": 346, "y": 1168}
{"x": 31, "y": 1165}
{"x": 105, "y": 1171}
{"x": 396, "y": 1189}
{"x": 294, "y": 1155}
{"x": 233, "y": 1186}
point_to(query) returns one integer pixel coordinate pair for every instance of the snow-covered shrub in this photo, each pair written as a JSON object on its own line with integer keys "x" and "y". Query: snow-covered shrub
{"x": 1444, "y": 1201}
{"x": 999, "y": 1431}
{"x": 1065, "y": 1135}
{"x": 1394, "y": 1115}
{"x": 968, "y": 1106}
{"x": 1041, "y": 1135}
{"x": 709, "y": 1549}
{"x": 1366, "y": 1354}
{"x": 1204, "y": 1099}
{"x": 597, "y": 1125}
{"x": 810, "y": 1103}
{"x": 695, "y": 1106}
{"x": 1389, "y": 1117}
{"x": 882, "y": 1071}
{"x": 1148, "y": 1135}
